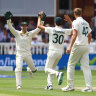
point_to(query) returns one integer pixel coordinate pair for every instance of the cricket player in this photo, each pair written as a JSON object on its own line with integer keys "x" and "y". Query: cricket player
{"x": 23, "y": 46}
{"x": 79, "y": 48}
{"x": 56, "y": 41}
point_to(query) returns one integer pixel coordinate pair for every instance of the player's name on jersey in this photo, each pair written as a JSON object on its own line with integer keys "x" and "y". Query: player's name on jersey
{"x": 58, "y": 31}
{"x": 84, "y": 23}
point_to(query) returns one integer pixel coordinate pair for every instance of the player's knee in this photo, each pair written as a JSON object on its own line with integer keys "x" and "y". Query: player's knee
{"x": 18, "y": 69}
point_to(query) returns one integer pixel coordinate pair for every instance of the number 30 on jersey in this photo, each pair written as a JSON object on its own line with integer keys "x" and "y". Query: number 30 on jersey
{"x": 58, "y": 38}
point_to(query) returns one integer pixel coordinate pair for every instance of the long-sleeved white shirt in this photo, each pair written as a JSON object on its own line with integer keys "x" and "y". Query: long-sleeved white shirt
{"x": 23, "y": 41}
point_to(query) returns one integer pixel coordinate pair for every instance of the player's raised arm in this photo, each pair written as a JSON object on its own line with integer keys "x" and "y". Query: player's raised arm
{"x": 41, "y": 18}
{"x": 8, "y": 16}
{"x": 68, "y": 19}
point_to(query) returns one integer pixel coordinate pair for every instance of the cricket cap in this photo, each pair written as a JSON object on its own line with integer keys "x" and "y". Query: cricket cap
{"x": 24, "y": 23}
{"x": 58, "y": 20}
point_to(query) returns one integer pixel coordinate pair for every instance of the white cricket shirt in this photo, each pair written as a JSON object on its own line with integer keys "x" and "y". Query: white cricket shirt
{"x": 23, "y": 41}
{"x": 83, "y": 29}
{"x": 56, "y": 37}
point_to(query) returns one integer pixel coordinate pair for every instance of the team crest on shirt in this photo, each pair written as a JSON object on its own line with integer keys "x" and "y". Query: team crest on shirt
{"x": 27, "y": 34}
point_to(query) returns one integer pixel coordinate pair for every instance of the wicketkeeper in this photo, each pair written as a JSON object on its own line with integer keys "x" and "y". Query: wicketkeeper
{"x": 23, "y": 46}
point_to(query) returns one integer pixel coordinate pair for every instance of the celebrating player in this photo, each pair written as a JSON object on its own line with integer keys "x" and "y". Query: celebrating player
{"x": 79, "y": 47}
{"x": 23, "y": 46}
{"x": 56, "y": 40}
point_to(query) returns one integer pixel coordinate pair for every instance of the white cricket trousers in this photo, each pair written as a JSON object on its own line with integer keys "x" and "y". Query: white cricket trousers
{"x": 79, "y": 53}
{"x": 53, "y": 58}
{"x": 18, "y": 69}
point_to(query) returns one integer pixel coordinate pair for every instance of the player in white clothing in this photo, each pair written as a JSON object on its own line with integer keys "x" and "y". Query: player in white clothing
{"x": 56, "y": 41}
{"x": 23, "y": 46}
{"x": 79, "y": 48}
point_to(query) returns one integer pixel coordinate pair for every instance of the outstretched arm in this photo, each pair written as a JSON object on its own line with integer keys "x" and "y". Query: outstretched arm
{"x": 67, "y": 18}
{"x": 40, "y": 25}
{"x": 40, "y": 22}
{"x": 11, "y": 28}
{"x": 8, "y": 16}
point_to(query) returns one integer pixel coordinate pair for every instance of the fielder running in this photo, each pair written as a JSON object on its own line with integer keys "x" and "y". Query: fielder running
{"x": 79, "y": 47}
{"x": 56, "y": 41}
{"x": 23, "y": 46}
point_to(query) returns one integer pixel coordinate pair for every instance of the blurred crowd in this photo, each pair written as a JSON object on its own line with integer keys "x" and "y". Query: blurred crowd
{"x": 41, "y": 37}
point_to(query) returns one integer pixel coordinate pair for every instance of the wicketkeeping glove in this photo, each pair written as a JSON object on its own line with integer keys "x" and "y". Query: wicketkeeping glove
{"x": 44, "y": 16}
{"x": 8, "y": 15}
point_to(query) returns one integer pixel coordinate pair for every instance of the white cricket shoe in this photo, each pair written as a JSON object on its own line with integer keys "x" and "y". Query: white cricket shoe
{"x": 60, "y": 77}
{"x": 87, "y": 89}
{"x": 18, "y": 87}
{"x": 49, "y": 87}
{"x": 67, "y": 88}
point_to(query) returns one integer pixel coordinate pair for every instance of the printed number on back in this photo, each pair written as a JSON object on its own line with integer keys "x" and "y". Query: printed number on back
{"x": 85, "y": 31}
{"x": 58, "y": 38}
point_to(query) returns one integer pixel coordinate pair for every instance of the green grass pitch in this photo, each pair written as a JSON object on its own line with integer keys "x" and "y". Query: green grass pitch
{"x": 35, "y": 86}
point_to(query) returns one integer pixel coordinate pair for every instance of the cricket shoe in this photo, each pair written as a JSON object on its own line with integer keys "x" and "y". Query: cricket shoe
{"x": 49, "y": 87}
{"x": 60, "y": 78}
{"x": 34, "y": 71}
{"x": 87, "y": 89}
{"x": 31, "y": 73}
{"x": 67, "y": 88}
{"x": 18, "y": 87}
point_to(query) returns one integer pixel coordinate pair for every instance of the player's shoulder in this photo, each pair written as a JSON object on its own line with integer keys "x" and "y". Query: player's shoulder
{"x": 85, "y": 22}
{"x": 50, "y": 28}
{"x": 17, "y": 31}
{"x": 75, "y": 22}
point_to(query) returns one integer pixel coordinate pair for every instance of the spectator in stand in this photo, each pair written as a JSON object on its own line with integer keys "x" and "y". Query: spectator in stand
{"x": 93, "y": 31}
{"x": 0, "y": 27}
{"x": 12, "y": 40}
{"x": 12, "y": 50}
{"x": 6, "y": 26}
{"x": 1, "y": 35}
{"x": 45, "y": 36}
{"x": 5, "y": 35}
{"x": 31, "y": 25}
{"x": 18, "y": 26}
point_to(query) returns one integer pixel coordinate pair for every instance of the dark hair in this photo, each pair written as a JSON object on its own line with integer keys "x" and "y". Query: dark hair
{"x": 78, "y": 11}
{"x": 58, "y": 21}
